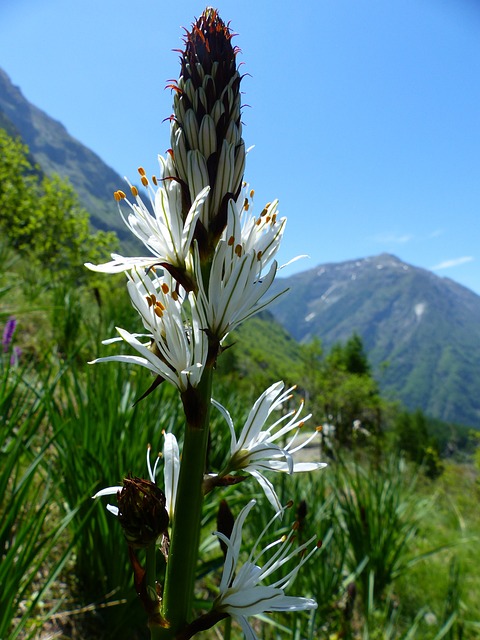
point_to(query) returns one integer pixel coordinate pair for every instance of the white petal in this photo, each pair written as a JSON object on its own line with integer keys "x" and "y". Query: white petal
{"x": 287, "y": 264}
{"x": 268, "y": 489}
{"x": 233, "y": 547}
{"x": 300, "y": 467}
{"x": 113, "y": 509}
{"x": 258, "y": 415}
{"x": 250, "y": 602}
{"x": 109, "y": 491}
{"x": 246, "y": 628}
{"x": 293, "y": 603}
{"x": 120, "y": 264}
{"x": 135, "y": 360}
{"x": 171, "y": 471}
{"x": 228, "y": 418}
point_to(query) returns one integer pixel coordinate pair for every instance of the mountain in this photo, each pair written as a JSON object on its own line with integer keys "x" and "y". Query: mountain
{"x": 56, "y": 151}
{"x": 421, "y": 332}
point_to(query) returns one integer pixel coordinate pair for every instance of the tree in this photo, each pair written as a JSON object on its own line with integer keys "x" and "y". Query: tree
{"x": 341, "y": 388}
{"x": 42, "y": 219}
{"x": 351, "y": 356}
{"x": 414, "y": 441}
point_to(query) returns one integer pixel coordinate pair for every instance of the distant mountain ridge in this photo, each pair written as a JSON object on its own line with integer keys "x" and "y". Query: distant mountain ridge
{"x": 421, "y": 332}
{"x": 56, "y": 151}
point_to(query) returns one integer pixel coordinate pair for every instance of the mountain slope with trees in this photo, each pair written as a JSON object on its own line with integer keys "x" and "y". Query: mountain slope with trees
{"x": 57, "y": 152}
{"x": 421, "y": 332}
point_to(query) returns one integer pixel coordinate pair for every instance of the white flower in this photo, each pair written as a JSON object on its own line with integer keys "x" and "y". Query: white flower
{"x": 258, "y": 450}
{"x": 166, "y": 234}
{"x": 241, "y": 591}
{"x": 237, "y": 283}
{"x": 177, "y": 346}
{"x": 234, "y": 290}
{"x": 171, "y": 470}
{"x": 261, "y": 235}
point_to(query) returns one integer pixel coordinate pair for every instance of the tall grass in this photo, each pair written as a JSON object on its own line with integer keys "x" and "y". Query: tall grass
{"x": 33, "y": 549}
{"x": 379, "y": 512}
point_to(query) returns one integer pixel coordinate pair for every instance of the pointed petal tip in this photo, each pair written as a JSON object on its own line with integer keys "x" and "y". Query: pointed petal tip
{"x": 108, "y": 491}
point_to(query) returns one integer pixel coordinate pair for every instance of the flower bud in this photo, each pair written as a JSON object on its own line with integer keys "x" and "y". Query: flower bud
{"x": 206, "y": 131}
{"x": 141, "y": 512}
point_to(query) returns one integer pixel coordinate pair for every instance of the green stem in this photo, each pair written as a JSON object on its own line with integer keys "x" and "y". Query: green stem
{"x": 151, "y": 569}
{"x": 228, "y": 629}
{"x": 154, "y": 618}
{"x": 183, "y": 555}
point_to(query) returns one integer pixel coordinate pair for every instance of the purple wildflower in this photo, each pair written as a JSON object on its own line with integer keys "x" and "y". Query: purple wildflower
{"x": 8, "y": 332}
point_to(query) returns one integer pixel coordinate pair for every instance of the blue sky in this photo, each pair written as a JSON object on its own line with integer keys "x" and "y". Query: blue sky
{"x": 365, "y": 114}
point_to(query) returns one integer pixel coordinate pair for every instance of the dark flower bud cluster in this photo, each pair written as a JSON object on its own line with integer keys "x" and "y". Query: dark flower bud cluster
{"x": 141, "y": 512}
{"x": 206, "y": 132}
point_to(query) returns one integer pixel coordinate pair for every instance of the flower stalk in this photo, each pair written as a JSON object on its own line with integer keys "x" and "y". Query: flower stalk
{"x": 183, "y": 556}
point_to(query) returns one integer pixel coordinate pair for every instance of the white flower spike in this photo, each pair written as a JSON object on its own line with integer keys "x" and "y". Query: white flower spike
{"x": 257, "y": 449}
{"x": 242, "y": 593}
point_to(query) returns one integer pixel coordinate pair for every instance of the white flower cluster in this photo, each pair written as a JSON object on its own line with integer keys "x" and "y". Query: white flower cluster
{"x": 179, "y": 323}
